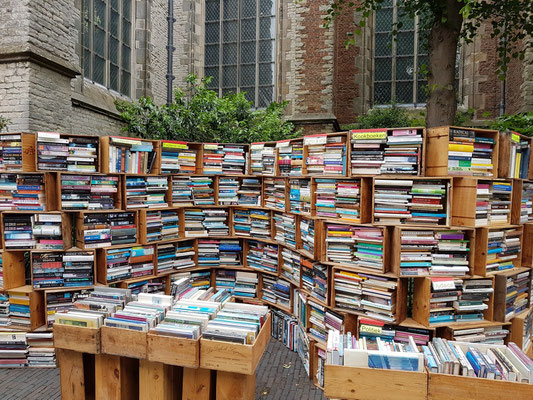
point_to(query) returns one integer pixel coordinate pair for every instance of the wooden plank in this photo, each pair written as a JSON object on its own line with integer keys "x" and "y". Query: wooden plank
{"x": 29, "y": 152}
{"x": 504, "y": 155}
{"x": 196, "y": 384}
{"x": 371, "y": 384}
{"x": 123, "y": 342}
{"x": 85, "y": 340}
{"x": 116, "y": 378}
{"x": 421, "y": 297}
{"x": 155, "y": 381}
{"x": 447, "y": 387}
{"x": 71, "y": 374}
{"x": 436, "y": 158}
{"x": 464, "y": 202}
{"x": 13, "y": 269}
{"x": 527, "y": 245}
{"x": 173, "y": 351}
{"x": 232, "y": 386}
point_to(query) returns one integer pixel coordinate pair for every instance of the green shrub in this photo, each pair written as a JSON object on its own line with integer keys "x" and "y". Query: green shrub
{"x": 197, "y": 114}
{"x": 383, "y": 117}
{"x": 521, "y": 123}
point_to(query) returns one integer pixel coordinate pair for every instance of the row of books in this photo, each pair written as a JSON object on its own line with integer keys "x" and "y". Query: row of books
{"x": 60, "y": 152}
{"x": 291, "y": 265}
{"x": 178, "y": 157}
{"x": 206, "y": 222}
{"x": 162, "y": 225}
{"x": 100, "y": 230}
{"x": 386, "y": 151}
{"x": 129, "y": 262}
{"x": 89, "y": 192}
{"x": 285, "y": 229}
{"x": 252, "y": 222}
{"x": 35, "y": 349}
{"x": 33, "y": 231}
{"x": 216, "y": 253}
{"x": 470, "y": 153}
{"x": 493, "y": 203}
{"x": 130, "y": 155}
{"x": 290, "y": 157}
{"x": 22, "y": 192}
{"x": 300, "y": 196}
{"x": 146, "y": 192}
{"x": 63, "y": 269}
{"x": 520, "y": 153}
{"x": 224, "y": 159}
{"x": 262, "y": 159}
{"x": 326, "y": 154}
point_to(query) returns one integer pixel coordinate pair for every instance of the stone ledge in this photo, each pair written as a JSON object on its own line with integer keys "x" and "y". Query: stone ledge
{"x": 29, "y": 53}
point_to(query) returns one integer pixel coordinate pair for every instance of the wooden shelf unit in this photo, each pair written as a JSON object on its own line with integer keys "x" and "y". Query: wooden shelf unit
{"x": 197, "y": 147}
{"x": 144, "y": 222}
{"x": 51, "y": 198}
{"x": 117, "y": 196}
{"x": 105, "y": 145}
{"x": 81, "y": 227}
{"x": 500, "y": 291}
{"x": 36, "y": 307}
{"x": 28, "y": 153}
{"x": 101, "y": 262}
{"x": 527, "y": 250}
{"x": 436, "y": 153}
{"x": 519, "y": 324}
{"x": 504, "y": 163}
{"x": 482, "y": 250}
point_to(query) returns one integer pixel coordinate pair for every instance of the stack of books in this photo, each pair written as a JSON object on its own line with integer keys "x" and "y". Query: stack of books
{"x": 216, "y": 222}
{"x": 460, "y": 151}
{"x": 175, "y": 256}
{"x": 503, "y": 249}
{"x": 526, "y": 204}
{"x": 276, "y": 291}
{"x": 131, "y": 156}
{"x": 224, "y": 158}
{"x": 495, "y": 362}
{"x": 307, "y": 235}
{"x": 41, "y": 352}
{"x": 225, "y": 279}
{"x": 68, "y": 269}
{"x": 500, "y": 202}
{"x": 194, "y": 223}
{"x": 300, "y": 196}
{"x": 315, "y": 279}
{"x": 201, "y": 279}
{"x": 371, "y": 330}
{"x": 119, "y": 263}
{"x": 227, "y": 191}
{"x": 142, "y": 261}
{"x": 216, "y": 253}
{"x": 22, "y": 192}
{"x": 146, "y": 192}
{"x": 4, "y": 310}
{"x": 13, "y": 350}
{"x": 33, "y": 231}
{"x": 61, "y": 302}
{"x": 367, "y": 151}
{"x": 90, "y": 312}
{"x": 285, "y": 225}
{"x": 263, "y": 159}
{"x": 516, "y": 289}
{"x": 182, "y": 191}
{"x": 255, "y": 223}
{"x": 82, "y": 192}
{"x": 213, "y": 158}
{"x": 250, "y": 192}
{"x": 52, "y": 152}
{"x": 246, "y": 284}
{"x": 262, "y": 256}
{"x": 326, "y": 155}
{"x": 162, "y": 225}
{"x": 285, "y": 329}
{"x": 236, "y": 323}
{"x": 336, "y": 198}
{"x": 483, "y": 200}
{"x": 108, "y": 229}
{"x": 11, "y": 152}
{"x": 519, "y": 158}
{"x": 19, "y": 310}
{"x": 435, "y": 252}
{"x": 177, "y": 158}
{"x": 354, "y": 246}
{"x": 317, "y": 324}
{"x": 275, "y": 193}
{"x": 371, "y": 295}
{"x": 482, "y": 156}
{"x": 422, "y": 202}
{"x": 492, "y": 334}
{"x": 290, "y": 268}
{"x": 242, "y": 222}
{"x": 290, "y": 157}
{"x": 403, "y": 152}
{"x": 203, "y": 193}
{"x": 459, "y": 300}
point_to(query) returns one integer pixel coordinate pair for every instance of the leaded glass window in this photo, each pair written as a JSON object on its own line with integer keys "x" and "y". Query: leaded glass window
{"x": 106, "y": 43}
{"x": 397, "y": 62}
{"x": 240, "y": 39}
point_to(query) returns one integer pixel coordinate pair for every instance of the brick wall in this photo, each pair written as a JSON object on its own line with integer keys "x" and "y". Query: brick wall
{"x": 14, "y": 104}
{"x": 158, "y": 51}
{"x": 14, "y": 24}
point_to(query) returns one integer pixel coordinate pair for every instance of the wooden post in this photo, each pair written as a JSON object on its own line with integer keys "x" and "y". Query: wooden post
{"x": 156, "y": 381}
{"x": 233, "y": 386}
{"x": 196, "y": 384}
{"x": 71, "y": 369}
{"x": 116, "y": 378}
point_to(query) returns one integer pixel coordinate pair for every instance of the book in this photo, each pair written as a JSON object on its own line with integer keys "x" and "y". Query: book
{"x": 62, "y": 269}
{"x": 63, "y": 152}
{"x": 130, "y": 155}
{"x": 89, "y": 192}
{"x": 106, "y": 229}
{"x": 11, "y": 152}
{"x": 22, "y": 192}
{"x": 177, "y": 157}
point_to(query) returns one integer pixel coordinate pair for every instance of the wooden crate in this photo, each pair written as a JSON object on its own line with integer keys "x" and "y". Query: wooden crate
{"x": 173, "y": 350}
{"x": 396, "y": 246}
{"x": 62, "y": 252}
{"x": 124, "y": 342}
{"x": 36, "y": 303}
{"x": 500, "y": 291}
{"x": 449, "y": 332}
{"x": 517, "y": 330}
{"x": 124, "y": 193}
{"x": 51, "y": 198}
{"x": 232, "y": 357}
{"x": 66, "y": 229}
{"x": 80, "y": 227}
{"x": 324, "y": 136}
{"x": 101, "y": 264}
{"x": 446, "y": 387}
{"x": 437, "y": 142}
{"x": 258, "y": 145}
{"x": 142, "y": 229}
{"x": 421, "y": 304}
{"x": 104, "y": 154}
{"x": 77, "y": 338}
{"x": 480, "y": 258}
{"x": 318, "y": 237}
{"x": 504, "y": 159}
{"x": 117, "y": 197}
{"x": 197, "y": 147}
{"x": 366, "y": 383}
{"x": 13, "y": 269}
{"x": 28, "y": 154}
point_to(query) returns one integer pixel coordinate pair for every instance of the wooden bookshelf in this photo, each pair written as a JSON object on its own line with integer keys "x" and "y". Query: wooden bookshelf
{"x": 50, "y": 198}
{"x": 101, "y": 262}
{"x": 396, "y": 247}
{"x": 105, "y": 145}
{"x": 438, "y": 139}
{"x": 500, "y": 292}
{"x": 81, "y": 227}
{"x": 13, "y": 269}
{"x": 145, "y": 225}
{"x": 192, "y": 147}
{"x": 482, "y": 250}
{"x": 116, "y": 196}
{"x": 36, "y": 307}
{"x": 519, "y": 325}
{"x": 323, "y": 139}
{"x": 506, "y": 141}
{"x": 28, "y": 155}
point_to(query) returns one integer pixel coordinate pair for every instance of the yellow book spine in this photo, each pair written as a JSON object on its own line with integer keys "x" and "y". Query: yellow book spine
{"x": 460, "y": 147}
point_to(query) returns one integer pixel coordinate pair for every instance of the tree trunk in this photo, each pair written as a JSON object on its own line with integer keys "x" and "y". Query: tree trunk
{"x": 441, "y": 104}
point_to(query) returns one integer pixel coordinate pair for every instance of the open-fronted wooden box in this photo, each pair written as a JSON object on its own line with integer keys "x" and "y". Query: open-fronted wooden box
{"x": 233, "y": 357}
{"x": 519, "y": 331}
{"x": 356, "y": 383}
{"x": 124, "y": 342}
{"x": 26, "y": 160}
{"x": 483, "y": 258}
{"x": 12, "y": 269}
{"x": 77, "y": 338}
{"x": 515, "y": 160}
{"x": 173, "y": 350}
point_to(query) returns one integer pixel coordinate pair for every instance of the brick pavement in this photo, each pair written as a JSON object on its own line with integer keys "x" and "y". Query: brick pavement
{"x": 280, "y": 376}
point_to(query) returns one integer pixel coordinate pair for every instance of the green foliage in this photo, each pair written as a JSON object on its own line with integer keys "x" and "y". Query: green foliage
{"x": 383, "y": 117}
{"x": 4, "y": 122}
{"x": 197, "y": 114}
{"x": 521, "y": 123}
{"x": 463, "y": 118}
{"x": 511, "y": 20}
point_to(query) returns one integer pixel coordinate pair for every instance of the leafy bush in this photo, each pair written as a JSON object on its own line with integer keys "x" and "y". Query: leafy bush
{"x": 382, "y": 117}
{"x": 521, "y": 123}
{"x": 197, "y": 114}
{"x": 4, "y": 122}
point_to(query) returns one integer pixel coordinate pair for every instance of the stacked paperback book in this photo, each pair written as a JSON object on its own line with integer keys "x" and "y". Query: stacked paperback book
{"x": 177, "y": 158}
{"x": 262, "y": 256}
{"x": 33, "y": 231}
{"x": 108, "y": 229}
{"x": 22, "y": 192}
{"x": 65, "y": 269}
{"x": 66, "y": 152}
{"x": 263, "y": 159}
{"x": 11, "y": 152}
{"x": 275, "y": 194}
{"x": 326, "y": 154}
{"x": 82, "y": 192}
{"x": 131, "y": 156}
{"x": 300, "y": 196}
{"x": 336, "y": 198}
{"x": 503, "y": 249}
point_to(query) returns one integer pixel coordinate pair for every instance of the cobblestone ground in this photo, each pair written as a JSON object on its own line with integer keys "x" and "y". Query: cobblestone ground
{"x": 280, "y": 376}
